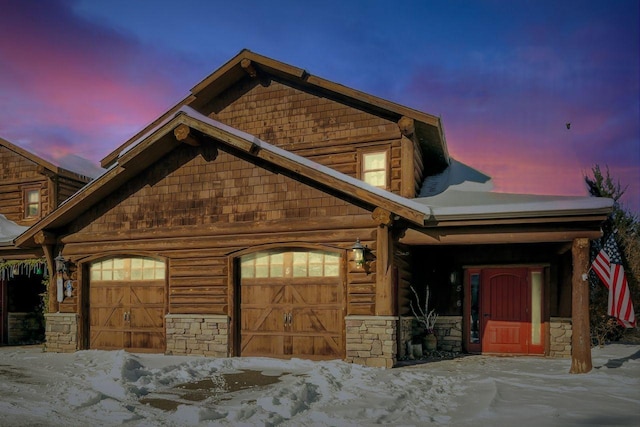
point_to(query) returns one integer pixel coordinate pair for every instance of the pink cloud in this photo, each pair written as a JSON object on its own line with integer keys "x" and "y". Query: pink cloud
{"x": 70, "y": 74}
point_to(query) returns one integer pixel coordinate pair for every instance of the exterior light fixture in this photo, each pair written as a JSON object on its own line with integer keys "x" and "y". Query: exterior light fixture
{"x": 61, "y": 269}
{"x": 358, "y": 253}
{"x": 61, "y": 264}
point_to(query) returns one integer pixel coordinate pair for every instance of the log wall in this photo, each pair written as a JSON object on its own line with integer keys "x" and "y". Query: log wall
{"x": 17, "y": 172}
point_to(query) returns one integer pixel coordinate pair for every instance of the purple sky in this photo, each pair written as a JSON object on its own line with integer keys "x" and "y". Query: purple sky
{"x": 82, "y": 76}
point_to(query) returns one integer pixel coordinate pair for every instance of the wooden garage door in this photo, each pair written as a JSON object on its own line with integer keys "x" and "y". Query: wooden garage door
{"x": 127, "y": 305}
{"x": 291, "y": 305}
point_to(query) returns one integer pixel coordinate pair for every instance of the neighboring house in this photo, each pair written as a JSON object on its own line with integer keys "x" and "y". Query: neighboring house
{"x": 227, "y": 228}
{"x": 30, "y": 188}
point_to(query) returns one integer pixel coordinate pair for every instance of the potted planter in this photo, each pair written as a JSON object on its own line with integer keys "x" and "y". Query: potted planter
{"x": 430, "y": 342}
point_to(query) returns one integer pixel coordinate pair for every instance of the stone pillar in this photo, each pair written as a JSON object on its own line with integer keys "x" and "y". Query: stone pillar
{"x": 371, "y": 340}
{"x": 61, "y": 332}
{"x": 197, "y": 335}
{"x": 560, "y": 332}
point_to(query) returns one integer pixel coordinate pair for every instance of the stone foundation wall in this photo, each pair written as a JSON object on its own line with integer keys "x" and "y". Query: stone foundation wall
{"x": 197, "y": 335}
{"x": 560, "y": 332}
{"x": 61, "y": 332}
{"x": 371, "y": 340}
{"x": 448, "y": 330}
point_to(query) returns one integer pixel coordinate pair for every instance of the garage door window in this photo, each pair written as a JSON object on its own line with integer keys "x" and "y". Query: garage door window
{"x": 290, "y": 264}
{"x": 130, "y": 269}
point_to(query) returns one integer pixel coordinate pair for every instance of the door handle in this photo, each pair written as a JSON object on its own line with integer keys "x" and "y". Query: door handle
{"x": 287, "y": 319}
{"x": 126, "y": 316}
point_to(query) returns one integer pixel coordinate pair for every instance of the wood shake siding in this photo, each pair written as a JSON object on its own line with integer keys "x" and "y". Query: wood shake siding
{"x": 199, "y": 205}
{"x": 312, "y": 126}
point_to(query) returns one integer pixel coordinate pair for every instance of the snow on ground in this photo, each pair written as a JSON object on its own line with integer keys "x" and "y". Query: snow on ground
{"x": 101, "y": 388}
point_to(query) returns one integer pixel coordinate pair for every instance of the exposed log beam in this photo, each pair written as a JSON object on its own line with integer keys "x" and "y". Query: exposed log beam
{"x": 407, "y": 126}
{"x": 44, "y": 238}
{"x": 490, "y": 236}
{"x": 183, "y": 134}
{"x": 247, "y": 66}
{"x": 382, "y": 216}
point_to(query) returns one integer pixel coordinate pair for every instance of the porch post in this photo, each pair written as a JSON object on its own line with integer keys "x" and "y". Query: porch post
{"x": 384, "y": 273}
{"x": 580, "y": 339}
{"x": 47, "y": 241}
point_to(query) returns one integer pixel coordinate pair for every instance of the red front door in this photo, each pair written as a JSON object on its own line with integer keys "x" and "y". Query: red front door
{"x": 506, "y": 316}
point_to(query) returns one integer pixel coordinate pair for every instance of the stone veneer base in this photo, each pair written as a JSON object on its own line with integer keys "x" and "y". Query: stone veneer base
{"x": 371, "y": 340}
{"x": 560, "y": 332}
{"x": 61, "y": 332}
{"x": 197, "y": 335}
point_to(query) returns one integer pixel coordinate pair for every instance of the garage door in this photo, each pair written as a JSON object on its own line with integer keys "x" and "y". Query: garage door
{"x": 291, "y": 305}
{"x": 127, "y": 305}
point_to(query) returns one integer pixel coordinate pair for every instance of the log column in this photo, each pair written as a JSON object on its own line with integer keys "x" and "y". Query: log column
{"x": 385, "y": 305}
{"x": 581, "y": 339}
{"x": 47, "y": 242}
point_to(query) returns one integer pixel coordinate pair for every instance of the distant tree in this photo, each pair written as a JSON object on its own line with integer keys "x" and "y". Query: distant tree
{"x": 626, "y": 228}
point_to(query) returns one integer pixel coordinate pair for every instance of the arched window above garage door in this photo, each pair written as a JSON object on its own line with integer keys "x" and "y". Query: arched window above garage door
{"x": 290, "y": 263}
{"x": 127, "y": 268}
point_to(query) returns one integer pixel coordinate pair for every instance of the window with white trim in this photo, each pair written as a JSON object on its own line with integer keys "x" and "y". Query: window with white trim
{"x": 374, "y": 169}
{"x": 32, "y": 206}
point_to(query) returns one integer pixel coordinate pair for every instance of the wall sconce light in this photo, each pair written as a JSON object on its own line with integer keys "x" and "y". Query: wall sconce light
{"x": 61, "y": 264}
{"x": 358, "y": 253}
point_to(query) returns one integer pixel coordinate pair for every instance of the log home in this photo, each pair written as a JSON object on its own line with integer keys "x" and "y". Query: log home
{"x": 30, "y": 188}
{"x": 231, "y": 226}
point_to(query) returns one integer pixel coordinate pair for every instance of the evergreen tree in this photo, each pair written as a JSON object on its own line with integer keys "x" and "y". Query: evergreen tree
{"x": 626, "y": 228}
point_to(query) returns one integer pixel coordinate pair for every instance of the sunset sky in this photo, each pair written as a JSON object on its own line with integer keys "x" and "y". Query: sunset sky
{"x": 82, "y": 76}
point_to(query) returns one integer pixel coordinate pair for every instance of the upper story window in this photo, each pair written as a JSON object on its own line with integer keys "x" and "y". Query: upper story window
{"x": 32, "y": 206}
{"x": 374, "y": 169}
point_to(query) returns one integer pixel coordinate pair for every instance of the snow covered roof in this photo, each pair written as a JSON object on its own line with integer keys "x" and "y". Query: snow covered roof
{"x": 458, "y": 193}
{"x": 70, "y": 165}
{"x": 9, "y": 230}
{"x": 462, "y": 192}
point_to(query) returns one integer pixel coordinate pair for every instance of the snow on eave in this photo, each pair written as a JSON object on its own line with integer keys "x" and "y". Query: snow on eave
{"x": 9, "y": 230}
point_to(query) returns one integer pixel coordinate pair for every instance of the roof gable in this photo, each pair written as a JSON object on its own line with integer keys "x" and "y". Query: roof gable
{"x": 189, "y": 126}
{"x": 428, "y": 129}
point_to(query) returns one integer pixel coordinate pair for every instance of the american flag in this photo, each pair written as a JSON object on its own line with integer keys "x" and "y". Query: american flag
{"x": 608, "y": 267}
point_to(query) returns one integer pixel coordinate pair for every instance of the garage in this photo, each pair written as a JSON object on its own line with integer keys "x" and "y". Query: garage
{"x": 292, "y": 305}
{"x": 127, "y": 304}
